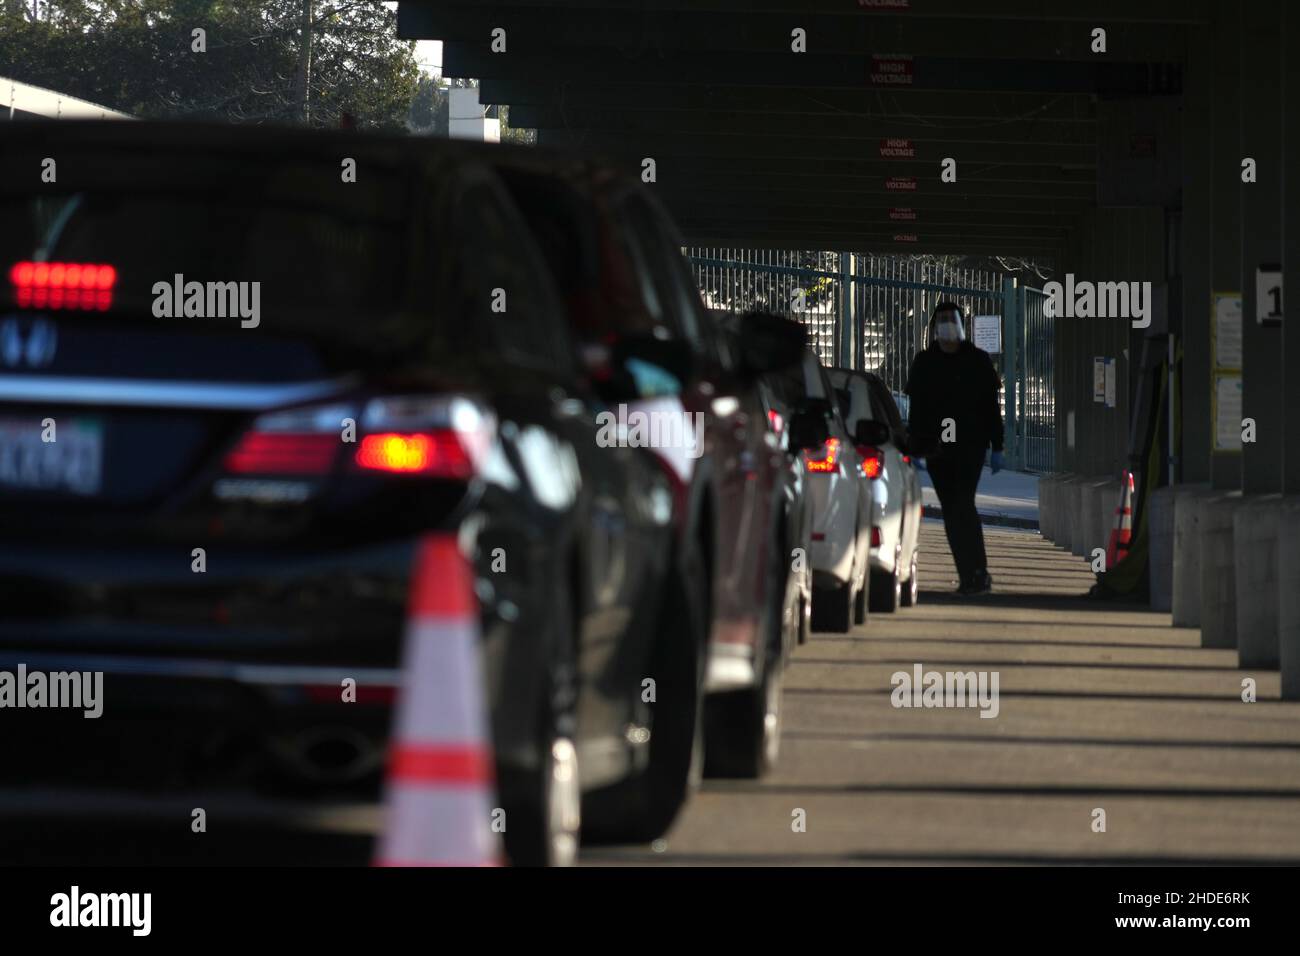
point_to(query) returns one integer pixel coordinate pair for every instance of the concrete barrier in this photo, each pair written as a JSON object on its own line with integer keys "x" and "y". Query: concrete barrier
{"x": 1085, "y": 538}
{"x": 1160, "y": 543}
{"x": 1047, "y": 505}
{"x": 1067, "y": 500}
{"x": 1218, "y": 570}
{"x": 1105, "y": 500}
{"x": 1185, "y": 600}
{"x": 1254, "y": 541}
{"x": 1288, "y": 610}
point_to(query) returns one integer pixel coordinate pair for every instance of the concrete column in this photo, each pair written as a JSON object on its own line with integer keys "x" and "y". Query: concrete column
{"x": 1255, "y": 538}
{"x": 1186, "y": 596}
{"x": 1288, "y": 572}
{"x": 1225, "y": 467}
{"x": 1261, "y": 122}
{"x": 1291, "y": 258}
{"x": 1196, "y": 243}
{"x": 1218, "y": 570}
{"x": 1160, "y": 539}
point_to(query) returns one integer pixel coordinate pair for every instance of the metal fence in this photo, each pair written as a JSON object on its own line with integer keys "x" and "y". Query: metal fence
{"x": 890, "y": 299}
{"x": 1037, "y": 384}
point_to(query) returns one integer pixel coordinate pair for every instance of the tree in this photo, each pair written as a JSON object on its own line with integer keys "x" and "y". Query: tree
{"x": 288, "y": 61}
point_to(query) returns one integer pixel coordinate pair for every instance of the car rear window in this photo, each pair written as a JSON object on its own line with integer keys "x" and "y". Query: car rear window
{"x": 314, "y": 244}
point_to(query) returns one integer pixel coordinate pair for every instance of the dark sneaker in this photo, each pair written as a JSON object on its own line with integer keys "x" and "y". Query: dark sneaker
{"x": 979, "y": 583}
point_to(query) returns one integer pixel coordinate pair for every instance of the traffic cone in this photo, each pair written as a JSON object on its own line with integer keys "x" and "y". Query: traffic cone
{"x": 1121, "y": 535}
{"x": 440, "y": 783}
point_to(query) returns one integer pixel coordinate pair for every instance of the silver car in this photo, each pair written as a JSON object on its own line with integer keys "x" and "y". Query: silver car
{"x": 867, "y": 405}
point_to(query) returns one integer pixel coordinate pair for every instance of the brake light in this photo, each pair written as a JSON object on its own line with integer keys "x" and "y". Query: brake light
{"x": 872, "y": 461}
{"x": 774, "y": 419}
{"x": 438, "y": 453}
{"x": 875, "y": 537}
{"x": 63, "y": 285}
{"x": 826, "y": 460}
{"x": 283, "y": 453}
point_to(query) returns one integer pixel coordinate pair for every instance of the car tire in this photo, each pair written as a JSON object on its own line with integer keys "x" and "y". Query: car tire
{"x": 887, "y": 588}
{"x": 832, "y": 609}
{"x": 642, "y": 807}
{"x": 743, "y": 728}
{"x": 860, "y": 604}
{"x": 543, "y": 805}
{"x": 912, "y": 592}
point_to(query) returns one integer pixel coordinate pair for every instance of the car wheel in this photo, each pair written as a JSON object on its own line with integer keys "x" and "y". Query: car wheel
{"x": 743, "y": 728}
{"x": 912, "y": 593}
{"x": 887, "y": 588}
{"x": 543, "y": 806}
{"x": 643, "y": 807}
{"x": 860, "y": 604}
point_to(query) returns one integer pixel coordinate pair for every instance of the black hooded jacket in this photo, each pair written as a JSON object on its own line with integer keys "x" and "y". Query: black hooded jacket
{"x": 963, "y": 386}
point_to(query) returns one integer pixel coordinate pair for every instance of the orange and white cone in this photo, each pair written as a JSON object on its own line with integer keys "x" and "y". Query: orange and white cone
{"x": 440, "y": 785}
{"x": 1121, "y": 535}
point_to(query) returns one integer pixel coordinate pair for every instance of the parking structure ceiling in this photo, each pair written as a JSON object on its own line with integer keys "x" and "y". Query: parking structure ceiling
{"x": 841, "y": 146}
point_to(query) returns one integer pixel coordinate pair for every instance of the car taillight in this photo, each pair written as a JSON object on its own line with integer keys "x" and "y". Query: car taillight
{"x": 424, "y": 453}
{"x": 775, "y": 421}
{"x": 429, "y": 436}
{"x": 875, "y": 537}
{"x": 872, "y": 461}
{"x": 63, "y": 285}
{"x": 826, "y": 459}
{"x": 282, "y": 453}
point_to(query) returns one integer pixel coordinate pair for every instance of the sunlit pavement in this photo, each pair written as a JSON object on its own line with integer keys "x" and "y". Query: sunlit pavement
{"x": 1101, "y": 706}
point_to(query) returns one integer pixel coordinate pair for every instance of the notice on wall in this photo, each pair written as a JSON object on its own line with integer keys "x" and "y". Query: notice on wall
{"x": 1227, "y": 413}
{"x": 1226, "y": 329}
{"x": 1110, "y": 383}
{"x": 1098, "y": 379}
{"x": 987, "y": 333}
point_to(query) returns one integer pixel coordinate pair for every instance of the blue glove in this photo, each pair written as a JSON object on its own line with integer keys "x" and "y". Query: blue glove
{"x": 995, "y": 462}
{"x": 920, "y": 463}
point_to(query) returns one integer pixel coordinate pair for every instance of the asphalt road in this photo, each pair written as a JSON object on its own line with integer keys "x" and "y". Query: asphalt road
{"x": 1101, "y": 706}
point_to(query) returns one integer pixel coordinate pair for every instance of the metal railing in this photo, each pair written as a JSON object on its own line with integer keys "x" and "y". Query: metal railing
{"x": 890, "y": 299}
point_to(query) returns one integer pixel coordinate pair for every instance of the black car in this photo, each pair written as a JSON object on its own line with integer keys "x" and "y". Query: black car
{"x": 227, "y": 524}
{"x": 618, "y": 263}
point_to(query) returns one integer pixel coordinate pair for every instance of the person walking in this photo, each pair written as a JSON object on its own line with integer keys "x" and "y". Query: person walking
{"x": 954, "y": 418}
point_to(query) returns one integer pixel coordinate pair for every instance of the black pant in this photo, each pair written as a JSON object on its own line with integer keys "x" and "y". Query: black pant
{"x": 955, "y": 478}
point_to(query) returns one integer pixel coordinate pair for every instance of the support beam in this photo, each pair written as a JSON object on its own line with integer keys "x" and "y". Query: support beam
{"x": 553, "y": 70}
{"x": 1261, "y": 123}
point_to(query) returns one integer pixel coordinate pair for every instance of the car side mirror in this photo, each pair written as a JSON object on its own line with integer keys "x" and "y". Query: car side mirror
{"x": 806, "y": 430}
{"x": 868, "y": 432}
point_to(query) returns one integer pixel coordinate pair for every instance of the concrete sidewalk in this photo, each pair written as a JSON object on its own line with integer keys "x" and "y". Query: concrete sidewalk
{"x": 1102, "y": 706}
{"x": 1007, "y": 498}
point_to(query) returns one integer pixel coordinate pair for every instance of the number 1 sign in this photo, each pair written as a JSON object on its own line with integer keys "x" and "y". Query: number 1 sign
{"x": 1268, "y": 294}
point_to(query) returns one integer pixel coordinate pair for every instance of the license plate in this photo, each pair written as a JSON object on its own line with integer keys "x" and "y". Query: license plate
{"x": 67, "y": 457}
